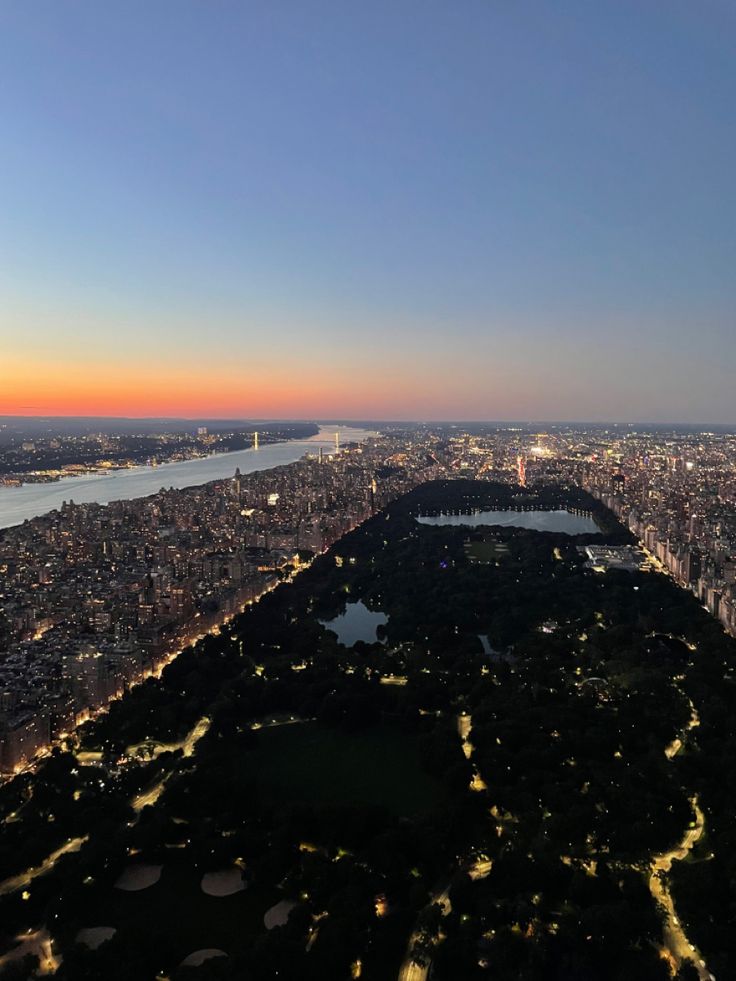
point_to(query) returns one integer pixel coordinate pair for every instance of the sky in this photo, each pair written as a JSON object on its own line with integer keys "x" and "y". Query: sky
{"x": 402, "y": 209}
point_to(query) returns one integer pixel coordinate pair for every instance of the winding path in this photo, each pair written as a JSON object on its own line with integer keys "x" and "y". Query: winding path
{"x": 677, "y": 946}
{"x": 412, "y": 970}
{"x": 151, "y": 794}
{"x": 37, "y": 943}
{"x": 23, "y": 879}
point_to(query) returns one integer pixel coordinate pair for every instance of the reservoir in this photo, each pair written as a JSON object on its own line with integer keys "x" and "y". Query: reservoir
{"x": 356, "y": 623}
{"x": 31, "y": 500}
{"x": 560, "y": 522}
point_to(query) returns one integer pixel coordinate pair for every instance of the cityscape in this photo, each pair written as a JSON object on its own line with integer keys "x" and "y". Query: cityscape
{"x": 100, "y": 599}
{"x": 367, "y": 491}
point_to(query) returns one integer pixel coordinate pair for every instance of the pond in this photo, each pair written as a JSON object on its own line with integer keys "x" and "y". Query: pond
{"x": 356, "y": 623}
{"x": 560, "y": 522}
{"x": 493, "y": 654}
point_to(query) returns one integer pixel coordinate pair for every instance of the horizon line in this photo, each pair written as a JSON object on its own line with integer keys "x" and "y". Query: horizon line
{"x": 340, "y": 420}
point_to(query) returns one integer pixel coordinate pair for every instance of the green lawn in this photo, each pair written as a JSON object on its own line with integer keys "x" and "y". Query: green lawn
{"x": 485, "y": 552}
{"x": 313, "y": 764}
{"x": 175, "y": 916}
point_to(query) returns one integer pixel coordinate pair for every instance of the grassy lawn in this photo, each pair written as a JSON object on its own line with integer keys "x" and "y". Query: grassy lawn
{"x": 380, "y": 766}
{"x": 176, "y": 916}
{"x": 485, "y": 552}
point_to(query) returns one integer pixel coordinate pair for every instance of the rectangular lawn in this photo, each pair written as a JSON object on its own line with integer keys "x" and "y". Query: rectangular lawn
{"x": 382, "y": 766}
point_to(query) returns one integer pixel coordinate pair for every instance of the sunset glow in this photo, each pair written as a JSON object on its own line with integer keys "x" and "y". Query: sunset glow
{"x": 256, "y": 226}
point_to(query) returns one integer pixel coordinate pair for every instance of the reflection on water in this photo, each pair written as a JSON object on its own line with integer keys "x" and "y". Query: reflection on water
{"x": 18, "y": 504}
{"x": 356, "y": 623}
{"x": 493, "y": 654}
{"x": 561, "y": 522}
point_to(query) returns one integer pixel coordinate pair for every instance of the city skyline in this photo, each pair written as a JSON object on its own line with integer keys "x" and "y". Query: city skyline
{"x": 414, "y": 213}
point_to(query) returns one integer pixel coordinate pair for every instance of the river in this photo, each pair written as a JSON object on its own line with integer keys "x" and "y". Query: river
{"x": 31, "y": 500}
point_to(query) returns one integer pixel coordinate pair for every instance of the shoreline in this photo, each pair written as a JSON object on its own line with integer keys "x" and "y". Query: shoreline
{"x": 101, "y": 469}
{"x": 35, "y": 500}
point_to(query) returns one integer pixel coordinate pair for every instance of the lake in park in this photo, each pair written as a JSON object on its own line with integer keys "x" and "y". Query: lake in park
{"x": 560, "y": 522}
{"x": 356, "y": 623}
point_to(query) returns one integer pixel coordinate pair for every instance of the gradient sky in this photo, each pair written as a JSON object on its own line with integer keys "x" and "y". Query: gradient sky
{"x": 469, "y": 209}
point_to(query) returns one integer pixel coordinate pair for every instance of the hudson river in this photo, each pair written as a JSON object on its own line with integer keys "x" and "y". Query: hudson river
{"x": 31, "y": 500}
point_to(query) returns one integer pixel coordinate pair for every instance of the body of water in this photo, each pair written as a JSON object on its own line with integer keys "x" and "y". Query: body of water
{"x": 31, "y": 500}
{"x": 356, "y": 623}
{"x": 564, "y": 522}
{"x": 493, "y": 654}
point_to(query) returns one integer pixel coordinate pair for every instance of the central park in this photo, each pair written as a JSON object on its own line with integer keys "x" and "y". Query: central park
{"x": 520, "y": 772}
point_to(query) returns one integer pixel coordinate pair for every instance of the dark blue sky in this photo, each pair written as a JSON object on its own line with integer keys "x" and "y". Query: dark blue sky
{"x": 469, "y": 209}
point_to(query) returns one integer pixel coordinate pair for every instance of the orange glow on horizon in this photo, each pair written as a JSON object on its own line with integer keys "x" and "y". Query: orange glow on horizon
{"x": 324, "y": 384}
{"x": 186, "y": 391}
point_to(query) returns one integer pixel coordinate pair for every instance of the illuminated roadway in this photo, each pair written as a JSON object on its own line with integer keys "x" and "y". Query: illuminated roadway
{"x": 676, "y": 745}
{"x": 675, "y": 939}
{"x": 676, "y": 944}
{"x": 16, "y": 882}
{"x": 410, "y": 969}
{"x": 151, "y": 794}
{"x": 34, "y": 942}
